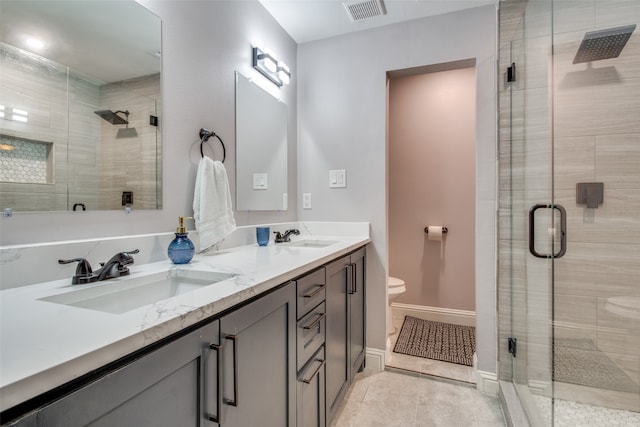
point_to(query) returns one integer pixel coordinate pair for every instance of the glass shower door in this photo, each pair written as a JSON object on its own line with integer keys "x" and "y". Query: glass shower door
{"x": 528, "y": 224}
{"x": 596, "y": 176}
{"x": 569, "y": 224}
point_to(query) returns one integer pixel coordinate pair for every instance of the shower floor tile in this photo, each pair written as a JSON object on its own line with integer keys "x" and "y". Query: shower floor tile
{"x": 571, "y": 414}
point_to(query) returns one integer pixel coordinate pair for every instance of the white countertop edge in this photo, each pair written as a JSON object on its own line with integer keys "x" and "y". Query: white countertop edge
{"x": 29, "y": 384}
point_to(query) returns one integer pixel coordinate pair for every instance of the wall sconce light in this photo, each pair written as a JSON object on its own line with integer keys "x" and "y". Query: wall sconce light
{"x": 270, "y": 67}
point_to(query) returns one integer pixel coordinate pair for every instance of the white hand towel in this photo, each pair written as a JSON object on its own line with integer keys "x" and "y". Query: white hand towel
{"x": 212, "y": 208}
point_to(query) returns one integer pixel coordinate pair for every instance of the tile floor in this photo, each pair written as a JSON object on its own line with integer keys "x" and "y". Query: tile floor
{"x": 393, "y": 399}
{"x": 427, "y": 366}
{"x": 414, "y": 392}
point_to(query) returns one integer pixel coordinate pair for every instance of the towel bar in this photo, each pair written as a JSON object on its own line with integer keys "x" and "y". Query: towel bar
{"x": 204, "y": 137}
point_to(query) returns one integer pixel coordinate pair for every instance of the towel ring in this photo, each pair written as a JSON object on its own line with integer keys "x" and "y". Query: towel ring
{"x": 204, "y": 137}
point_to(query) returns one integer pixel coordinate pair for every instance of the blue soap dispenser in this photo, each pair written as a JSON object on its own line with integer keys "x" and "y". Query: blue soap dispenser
{"x": 181, "y": 248}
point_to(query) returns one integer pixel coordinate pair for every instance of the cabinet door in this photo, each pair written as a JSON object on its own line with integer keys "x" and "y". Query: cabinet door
{"x": 259, "y": 362}
{"x": 163, "y": 388}
{"x": 357, "y": 315}
{"x": 337, "y": 333}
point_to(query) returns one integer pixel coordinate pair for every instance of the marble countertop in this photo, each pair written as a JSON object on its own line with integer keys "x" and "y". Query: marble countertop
{"x": 45, "y": 344}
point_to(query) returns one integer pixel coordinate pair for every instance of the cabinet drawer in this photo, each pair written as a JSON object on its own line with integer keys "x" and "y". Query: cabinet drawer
{"x": 311, "y": 291}
{"x": 311, "y": 395}
{"x": 311, "y": 332}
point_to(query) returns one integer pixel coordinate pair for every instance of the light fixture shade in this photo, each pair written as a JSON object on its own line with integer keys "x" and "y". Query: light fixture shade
{"x": 276, "y": 71}
{"x": 283, "y": 73}
{"x": 270, "y": 62}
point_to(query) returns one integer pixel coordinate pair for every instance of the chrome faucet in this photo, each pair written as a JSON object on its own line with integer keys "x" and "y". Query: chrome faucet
{"x": 115, "y": 267}
{"x": 285, "y": 237}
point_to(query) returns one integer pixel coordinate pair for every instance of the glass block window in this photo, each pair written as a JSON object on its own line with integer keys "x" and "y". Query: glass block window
{"x": 23, "y": 160}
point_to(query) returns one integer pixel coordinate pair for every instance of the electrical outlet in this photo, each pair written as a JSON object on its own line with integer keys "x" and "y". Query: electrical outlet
{"x": 306, "y": 201}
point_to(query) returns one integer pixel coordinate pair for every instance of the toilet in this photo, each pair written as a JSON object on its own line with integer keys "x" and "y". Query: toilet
{"x": 395, "y": 288}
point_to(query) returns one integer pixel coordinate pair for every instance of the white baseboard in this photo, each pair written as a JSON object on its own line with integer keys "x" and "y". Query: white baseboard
{"x": 487, "y": 382}
{"x": 435, "y": 314}
{"x": 374, "y": 359}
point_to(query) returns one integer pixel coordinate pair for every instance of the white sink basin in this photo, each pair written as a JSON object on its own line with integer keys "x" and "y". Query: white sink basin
{"x": 311, "y": 243}
{"x": 131, "y": 292}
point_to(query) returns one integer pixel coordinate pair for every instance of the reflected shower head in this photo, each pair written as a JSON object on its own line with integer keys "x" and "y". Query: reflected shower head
{"x": 114, "y": 118}
{"x": 126, "y": 132}
{"x": 603, "y": 44}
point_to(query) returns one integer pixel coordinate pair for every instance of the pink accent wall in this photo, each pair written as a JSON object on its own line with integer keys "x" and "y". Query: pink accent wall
{"x": 432, "y": 121}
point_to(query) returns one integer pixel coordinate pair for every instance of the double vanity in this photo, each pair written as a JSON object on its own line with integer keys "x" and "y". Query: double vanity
{"x": 242, "y": 336}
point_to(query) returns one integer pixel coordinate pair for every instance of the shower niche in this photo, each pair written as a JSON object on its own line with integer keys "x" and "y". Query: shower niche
{"x": 25, "y": 161}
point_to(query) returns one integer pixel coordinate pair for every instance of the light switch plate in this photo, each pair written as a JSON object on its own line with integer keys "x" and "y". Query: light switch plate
{"x": 260, "y": 181}
{"x": 337, "y": 178}
{"x": 306, "y": 200}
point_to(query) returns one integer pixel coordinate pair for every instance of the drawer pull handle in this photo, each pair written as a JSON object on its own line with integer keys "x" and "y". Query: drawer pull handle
{"x": 319, "y": 289}
{"x": 315, "y": 321}
{"x": 216, "y": 418}
{"x": 308, "y": 380}
{"x": 234, "y": 401}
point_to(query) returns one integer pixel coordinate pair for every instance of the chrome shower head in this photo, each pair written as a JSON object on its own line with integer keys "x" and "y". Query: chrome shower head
{"x": 603, "y": 44}
{"x": 114, "y": 118}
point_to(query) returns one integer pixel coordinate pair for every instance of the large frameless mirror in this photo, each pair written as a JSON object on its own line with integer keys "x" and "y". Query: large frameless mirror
{"x": 79, "y": 106}
{"x": 261, "y": 149}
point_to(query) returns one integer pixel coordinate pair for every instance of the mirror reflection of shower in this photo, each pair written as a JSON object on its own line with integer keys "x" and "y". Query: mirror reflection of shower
{"x": 115, "y": 119}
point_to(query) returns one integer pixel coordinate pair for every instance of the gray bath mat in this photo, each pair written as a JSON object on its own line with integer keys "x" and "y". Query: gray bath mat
{"x": 580, "y": 362}
{"x": 437, "y": 340}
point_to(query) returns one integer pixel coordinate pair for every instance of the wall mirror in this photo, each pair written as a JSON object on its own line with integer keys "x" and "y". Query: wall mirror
{"x": 79, "y": 106}
{"x": 261, "y": 149}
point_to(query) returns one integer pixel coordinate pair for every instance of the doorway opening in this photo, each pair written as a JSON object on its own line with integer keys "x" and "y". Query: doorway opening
{"x": 431, "y": 187}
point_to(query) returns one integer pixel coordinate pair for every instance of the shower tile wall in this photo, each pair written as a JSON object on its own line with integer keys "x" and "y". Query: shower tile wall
{"x": 131, "y": 164}
{"x": 60, "y": 107}
{"x": 596, "y": 137}
{"x": 40, "y": 88}
{"x": 596, "y": 111}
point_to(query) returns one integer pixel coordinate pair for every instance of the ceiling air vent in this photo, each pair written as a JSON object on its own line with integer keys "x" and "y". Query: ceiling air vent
{"x": 360, "y": 10}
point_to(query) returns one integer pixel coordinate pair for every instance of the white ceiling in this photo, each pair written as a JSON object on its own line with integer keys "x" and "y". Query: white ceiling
{"x": 308, "y": 20}
{"x": 102, "y": 39}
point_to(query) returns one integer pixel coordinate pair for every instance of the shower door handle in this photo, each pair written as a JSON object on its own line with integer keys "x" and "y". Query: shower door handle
{"x": 563, "y": 231}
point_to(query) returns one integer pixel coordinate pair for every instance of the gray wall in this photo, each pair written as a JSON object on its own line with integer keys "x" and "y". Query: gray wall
{"x": 203, "y": 44}
{"x": 341, "y": 125}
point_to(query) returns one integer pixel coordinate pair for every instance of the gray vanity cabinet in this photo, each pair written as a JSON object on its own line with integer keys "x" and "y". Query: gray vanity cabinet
{"x": 284, "y": 359}
{"x": 345, "y": 336}
{"x": 311, "y": 392}
{"x": 171, "y": 386}
{"x": 259, "y": 362}
{"x": 312, "y": 314}
{"x": 357, "y": 314}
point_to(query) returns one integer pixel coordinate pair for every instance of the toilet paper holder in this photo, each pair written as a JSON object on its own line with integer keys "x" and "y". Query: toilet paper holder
{"x": 444, "y": 229}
